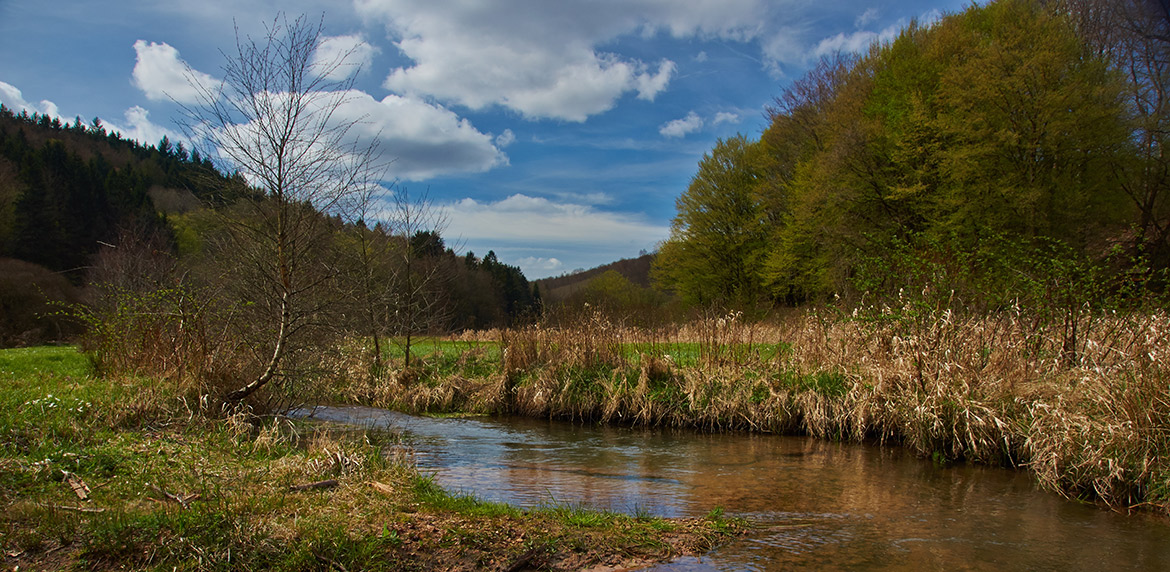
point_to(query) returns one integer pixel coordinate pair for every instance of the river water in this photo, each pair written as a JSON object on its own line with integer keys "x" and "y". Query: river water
{"x": 817, "y": 505}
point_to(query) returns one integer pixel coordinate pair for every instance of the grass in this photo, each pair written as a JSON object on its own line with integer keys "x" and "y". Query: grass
{"x": 1085, "y": 409}
{"x": 174, "y": 484}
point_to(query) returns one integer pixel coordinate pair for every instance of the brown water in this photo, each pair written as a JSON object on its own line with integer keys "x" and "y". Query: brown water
{"x": 818, "y": 505}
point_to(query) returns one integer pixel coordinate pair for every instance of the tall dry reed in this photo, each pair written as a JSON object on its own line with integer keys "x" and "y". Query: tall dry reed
{"x": 1090, "y": 419}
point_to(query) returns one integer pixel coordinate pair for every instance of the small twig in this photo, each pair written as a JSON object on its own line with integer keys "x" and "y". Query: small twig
{"x": 79, "y": 487}
{"x": 382, "y": 487}
{"x": 326, "y": 484}
{"x": 74, "y": 508}
{"x": 184, "y": 501}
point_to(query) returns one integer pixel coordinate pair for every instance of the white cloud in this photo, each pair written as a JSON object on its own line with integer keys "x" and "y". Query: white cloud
{"x": 542, "y": 59}
{"x": 650, "y": 86}
{"x": 856, "y": 42}
{"x": 538, "y": 221}
{"x": 137, "y": 126}
{"x": 421, "y": 139}
{"x": 725, "y": 117}
{"x": 681, "y": 127}
{"x": 544, "y": 236}
{"x": 533, "y": 265}
{"x": 866, "y": 18}
{"x": 342, "y": 56}
{"x": 784, "y": 46}
{"x": 162, "y": 75}
{"x": 505, "y": 139}
{"x": 13, "y": 99}
{"x": 417, "y": 140}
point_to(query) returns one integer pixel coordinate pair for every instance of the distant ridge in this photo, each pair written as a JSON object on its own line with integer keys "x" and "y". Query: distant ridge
{"x": 636, "y": 270}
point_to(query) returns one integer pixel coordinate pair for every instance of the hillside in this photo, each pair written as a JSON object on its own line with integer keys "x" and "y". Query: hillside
{"x": 80, "y": 206}
{"x": 68, "y": 189}
{"x": 636, "y": 270}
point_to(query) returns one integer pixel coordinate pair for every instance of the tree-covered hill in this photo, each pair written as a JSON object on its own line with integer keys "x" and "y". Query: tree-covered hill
{"x": 1010, "y": 146}
{"x": 636, "y": 270}
{"x": 93, "y": 207}
{"x": 68, "y": 188}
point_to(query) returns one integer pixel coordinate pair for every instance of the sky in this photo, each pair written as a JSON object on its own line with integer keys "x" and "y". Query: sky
{"x": 556, "y": 133}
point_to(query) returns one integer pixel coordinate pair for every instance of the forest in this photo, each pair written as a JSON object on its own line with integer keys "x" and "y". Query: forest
{"x": 75, "y": 199}
{"x": 1001, "y": 154}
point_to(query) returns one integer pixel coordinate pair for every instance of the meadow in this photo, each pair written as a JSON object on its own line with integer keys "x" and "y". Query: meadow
{"x": 136, "y": 473}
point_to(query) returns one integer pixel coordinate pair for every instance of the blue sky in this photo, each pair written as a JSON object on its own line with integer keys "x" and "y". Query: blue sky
{"x": 557, "y": 133}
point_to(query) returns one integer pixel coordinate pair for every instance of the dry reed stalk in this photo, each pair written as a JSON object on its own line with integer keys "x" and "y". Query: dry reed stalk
{"x": 1090, "y": 419}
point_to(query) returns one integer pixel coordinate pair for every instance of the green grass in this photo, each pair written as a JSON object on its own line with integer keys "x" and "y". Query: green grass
{"x": 431, "y": 346}
{"x": 140, "y": 444}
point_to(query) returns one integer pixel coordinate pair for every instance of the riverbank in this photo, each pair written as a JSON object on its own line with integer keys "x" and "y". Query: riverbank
{"x": 1082, "y": 402}
{"x": 137, "y": 474}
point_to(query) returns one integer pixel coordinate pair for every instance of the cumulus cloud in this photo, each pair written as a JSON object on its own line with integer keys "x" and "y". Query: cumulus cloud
{"x": 162, "y": 75}
{"x": 506, "y": 138}
{"x": 537, "y": 265}
{"x": 725, "y": 117}
{"x": 138, "y": 126}
{"x": 538, "y": 221}
{"x": 422, "y": 140}
{"x": 542, "y": 59}
{"x": 13, "y": 99}
{"x": 856, "y": 42}
{"x": 650, "y": 86}
{"x": 682, "y": 127}
{"x": 342, "y": 56}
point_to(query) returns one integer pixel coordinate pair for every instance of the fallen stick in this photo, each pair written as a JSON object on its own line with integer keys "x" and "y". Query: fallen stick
{"x": 184, "y": 501}
{"x": 382, "y": 487}
{"x": 74, "y": 508}
{"x": 79, "y": 487}
{"x": 326, "y": 484}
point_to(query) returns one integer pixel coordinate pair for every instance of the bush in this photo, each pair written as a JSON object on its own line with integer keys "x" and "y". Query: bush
{"x": 31, "y": 297}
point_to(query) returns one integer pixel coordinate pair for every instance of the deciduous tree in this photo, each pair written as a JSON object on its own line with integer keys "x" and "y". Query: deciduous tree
{"x": 276, "y": 119}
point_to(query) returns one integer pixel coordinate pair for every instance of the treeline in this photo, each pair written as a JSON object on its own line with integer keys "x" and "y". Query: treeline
{"x": 103, "y": 211}
{"x": 67, "y": 188}
{"x": 1017, "y": 146}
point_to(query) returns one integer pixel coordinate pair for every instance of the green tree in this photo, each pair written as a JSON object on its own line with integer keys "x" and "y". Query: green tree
{"x": 1034, "y": 127}
{"x": 998, "y": 121}
{"x": 719, "y": 236}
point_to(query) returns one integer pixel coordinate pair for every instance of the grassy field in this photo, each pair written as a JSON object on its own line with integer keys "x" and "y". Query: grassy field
{"x": 136, "y": 474}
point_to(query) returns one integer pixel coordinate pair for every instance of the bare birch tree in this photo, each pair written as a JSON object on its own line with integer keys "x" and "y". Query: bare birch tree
{"x": 276, "y": 120}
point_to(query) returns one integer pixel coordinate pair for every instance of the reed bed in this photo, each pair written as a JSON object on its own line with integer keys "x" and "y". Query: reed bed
{"x": 1085, "y": 407}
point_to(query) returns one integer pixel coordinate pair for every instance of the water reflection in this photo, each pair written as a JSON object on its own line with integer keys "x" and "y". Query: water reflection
{"x": 820, "y": 505}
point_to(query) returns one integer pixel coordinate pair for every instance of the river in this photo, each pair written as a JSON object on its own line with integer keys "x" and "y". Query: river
{"x": 817, "y": 505}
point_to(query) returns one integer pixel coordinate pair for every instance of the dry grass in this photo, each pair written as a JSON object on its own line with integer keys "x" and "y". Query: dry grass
{"x": 170, "y": 489}
{"x": 1088, "y": 413}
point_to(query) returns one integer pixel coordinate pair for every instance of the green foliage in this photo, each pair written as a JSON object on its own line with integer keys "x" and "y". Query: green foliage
{"x": 719, "y": 236}
{"x": 77, "y": 186}
{"x": 998, "y": 121}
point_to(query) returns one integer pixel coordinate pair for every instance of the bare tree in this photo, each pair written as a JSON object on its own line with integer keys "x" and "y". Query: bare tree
{"x": 1135, "y": 36}
{"x": 395, "y": 280}
{"x": 276, "y": 119}
{"x": 417, "y": 306}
